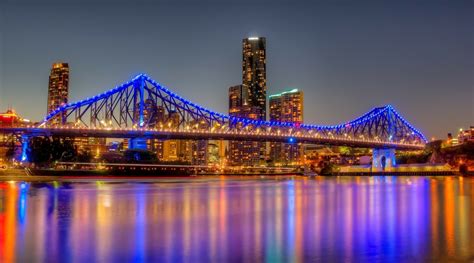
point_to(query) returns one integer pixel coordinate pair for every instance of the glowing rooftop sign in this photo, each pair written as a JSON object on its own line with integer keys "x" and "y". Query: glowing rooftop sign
{"x": 283, "y": 93}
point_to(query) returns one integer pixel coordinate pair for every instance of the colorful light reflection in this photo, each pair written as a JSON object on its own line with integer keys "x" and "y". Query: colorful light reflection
{"x": 278, "y": 219}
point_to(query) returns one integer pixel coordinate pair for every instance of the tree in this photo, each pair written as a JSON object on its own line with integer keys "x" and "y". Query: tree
{"x": 39, "y": 150}
{"x": 84, "y": 157}
{"x": 140, "y": 156}
{"x": 43, "y": 150}
{"x": 69, "y": 151}
{"x": 10, "y": 154}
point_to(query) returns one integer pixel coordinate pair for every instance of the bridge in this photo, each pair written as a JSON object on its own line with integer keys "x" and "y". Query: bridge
{"x": 142, "y": 109}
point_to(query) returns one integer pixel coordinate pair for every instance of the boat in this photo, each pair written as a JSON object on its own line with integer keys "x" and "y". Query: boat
{"x": 310, "y": 174}
{"x": 114, "y": 169}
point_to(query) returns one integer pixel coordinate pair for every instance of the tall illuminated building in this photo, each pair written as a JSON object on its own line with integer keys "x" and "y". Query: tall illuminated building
{"x": 249, "y": 100}
{"x": 286, "y": 107}
{"x": 58, "y": 88}
{"x": 254, "y": 76}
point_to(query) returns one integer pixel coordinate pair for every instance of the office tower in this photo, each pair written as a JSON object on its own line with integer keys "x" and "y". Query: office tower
{"x": 58, "y": 89}
{"x": 286, "y": 107}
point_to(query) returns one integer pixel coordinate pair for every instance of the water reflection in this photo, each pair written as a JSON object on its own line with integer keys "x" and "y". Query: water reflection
{"x": 388, "y": 219}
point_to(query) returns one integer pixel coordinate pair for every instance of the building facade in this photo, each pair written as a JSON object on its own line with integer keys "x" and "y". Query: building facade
{"x": 465, "y": 136}
{"x": 10, "y": 144}
{"x": 286, "y": 107}
{"x": 11, "y": 119}
{"x": 242, "y": 152}
{"x": 58, "y": 88}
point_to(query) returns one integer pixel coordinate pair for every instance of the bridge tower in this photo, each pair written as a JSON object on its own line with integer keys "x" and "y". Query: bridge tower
{"x": 138, "y": 113}
{"x": 383, "y": 160}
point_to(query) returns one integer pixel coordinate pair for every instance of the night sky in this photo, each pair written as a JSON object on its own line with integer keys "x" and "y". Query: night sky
{"x": 347, "y": 56}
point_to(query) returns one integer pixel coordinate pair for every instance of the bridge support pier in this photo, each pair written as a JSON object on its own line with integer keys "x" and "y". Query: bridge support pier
{"x": 137, "y": 143}
{"x": 24, "y": 148}
{"x": 383, "y": 160}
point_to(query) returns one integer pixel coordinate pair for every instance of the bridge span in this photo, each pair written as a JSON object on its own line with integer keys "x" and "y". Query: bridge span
{"x": 144, "y": 109}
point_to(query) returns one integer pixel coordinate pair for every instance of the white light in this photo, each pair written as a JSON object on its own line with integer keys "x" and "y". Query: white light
{"x": 253, "y": 38}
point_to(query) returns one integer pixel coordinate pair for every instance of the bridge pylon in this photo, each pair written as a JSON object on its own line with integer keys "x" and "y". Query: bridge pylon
{"x": 138, "y": 143}
{"x": 24, "y": 147}
{"x": 383, "y": 160}
{"x": 138, "y": 119}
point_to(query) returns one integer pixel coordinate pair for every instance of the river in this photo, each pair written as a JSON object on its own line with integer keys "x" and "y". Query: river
{"x": 239, "y": 219}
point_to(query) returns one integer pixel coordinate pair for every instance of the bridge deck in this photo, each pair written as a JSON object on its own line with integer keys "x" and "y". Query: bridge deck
{"x": 201, "y": 135}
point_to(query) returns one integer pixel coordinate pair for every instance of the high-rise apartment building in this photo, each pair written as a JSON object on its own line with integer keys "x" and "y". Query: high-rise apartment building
{"x": 249, "y": 100}
{"x": 286, "y": 107}
{"x": 58, "y": 88}
{"x": 254, "y": 76}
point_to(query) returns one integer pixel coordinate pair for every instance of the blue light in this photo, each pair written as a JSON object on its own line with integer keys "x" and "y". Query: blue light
{"x": 22, "y": 202}
{"x": 24, "y": 149}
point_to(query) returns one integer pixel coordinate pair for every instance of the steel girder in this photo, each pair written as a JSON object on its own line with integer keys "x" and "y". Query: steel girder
{"x": 145, "y": 104}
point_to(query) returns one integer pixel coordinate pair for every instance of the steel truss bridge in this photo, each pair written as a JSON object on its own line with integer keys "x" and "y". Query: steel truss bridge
{"x": 143, "y": 108}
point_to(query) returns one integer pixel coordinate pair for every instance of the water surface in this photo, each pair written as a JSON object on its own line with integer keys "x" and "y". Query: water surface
{"x": 222, "y": 219}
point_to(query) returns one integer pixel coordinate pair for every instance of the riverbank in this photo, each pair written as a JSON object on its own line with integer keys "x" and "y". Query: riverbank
{"x": 399, "y": 173}
{"x": 141, "y": 179}
{"x": 192, "y": 179}
{"x": 399, "y": 170}
{"x": 66, "y": 175}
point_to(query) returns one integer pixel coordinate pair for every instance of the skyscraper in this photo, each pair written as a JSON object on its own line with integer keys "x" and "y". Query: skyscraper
{"x": 254, "y": 76}
{"x": 286, "y": 107}
{"x": 249, "y": 100}
{"x": 58, "y": 87}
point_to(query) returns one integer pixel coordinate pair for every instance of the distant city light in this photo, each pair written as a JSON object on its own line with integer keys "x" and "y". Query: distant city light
{"x": 253, "y": 38}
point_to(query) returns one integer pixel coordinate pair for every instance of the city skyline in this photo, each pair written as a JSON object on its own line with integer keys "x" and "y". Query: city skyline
{"x": 237, "y": 130}
{"x": 90, "y": 76}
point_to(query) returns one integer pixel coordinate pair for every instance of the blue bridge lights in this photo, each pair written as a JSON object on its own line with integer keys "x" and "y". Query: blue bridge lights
{"x": 144, "y": 104}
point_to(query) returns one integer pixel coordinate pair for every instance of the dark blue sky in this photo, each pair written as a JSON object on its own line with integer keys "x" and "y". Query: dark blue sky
{"x": 347, "y": 56}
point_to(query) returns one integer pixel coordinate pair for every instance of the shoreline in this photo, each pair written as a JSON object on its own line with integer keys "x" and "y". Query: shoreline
{"x": 193, "y": 179}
